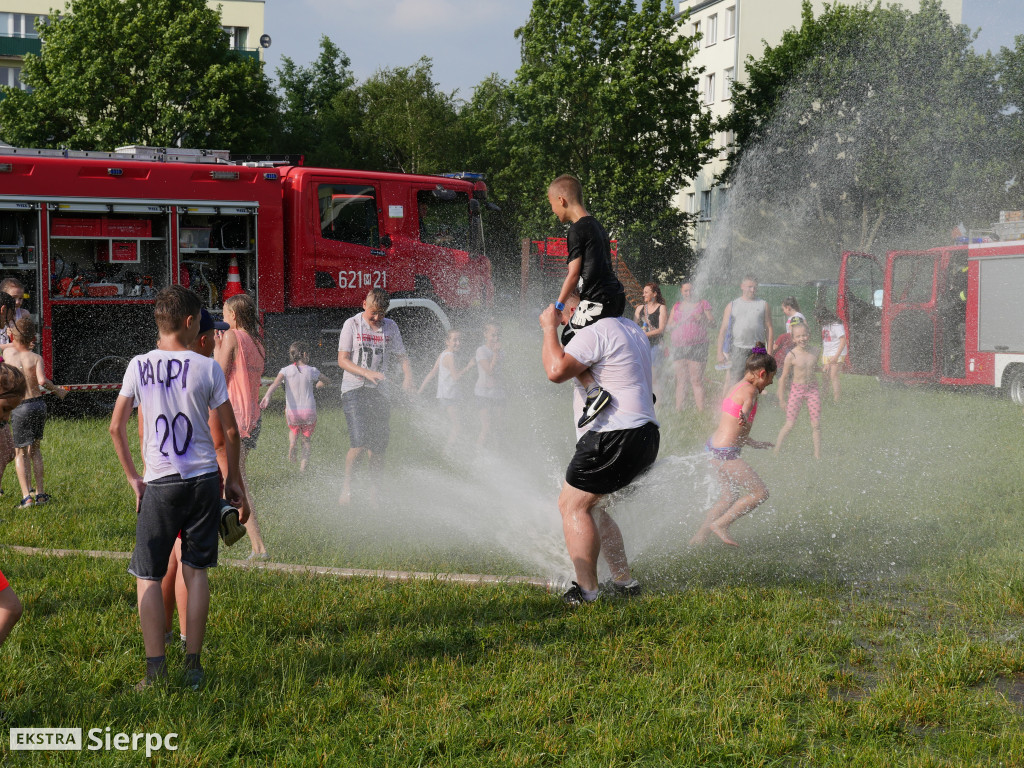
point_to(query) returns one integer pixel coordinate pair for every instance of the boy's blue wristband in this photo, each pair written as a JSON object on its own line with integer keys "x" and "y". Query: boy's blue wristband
{"x": 559, "y": 306}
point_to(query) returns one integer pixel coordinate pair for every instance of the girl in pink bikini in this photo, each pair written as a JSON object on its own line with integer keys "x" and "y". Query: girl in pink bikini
{"x": 742, "y": 489}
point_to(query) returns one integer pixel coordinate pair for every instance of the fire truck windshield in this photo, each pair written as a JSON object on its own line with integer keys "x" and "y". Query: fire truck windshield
{"x": 447, "y": 221}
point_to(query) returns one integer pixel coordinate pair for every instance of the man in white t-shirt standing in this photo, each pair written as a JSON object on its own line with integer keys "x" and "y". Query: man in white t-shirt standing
{"x": 175, "y": 389}
{"x": 367, "y": 342}
{"x": 613, "y": 450}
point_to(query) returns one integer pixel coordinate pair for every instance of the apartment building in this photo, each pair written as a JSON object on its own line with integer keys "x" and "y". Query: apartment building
{"x": 241, "y": 19}
{"x": 732, "y": 30}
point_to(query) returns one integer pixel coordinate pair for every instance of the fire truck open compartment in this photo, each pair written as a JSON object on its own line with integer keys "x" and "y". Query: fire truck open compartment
{"x": 209, "y": 237}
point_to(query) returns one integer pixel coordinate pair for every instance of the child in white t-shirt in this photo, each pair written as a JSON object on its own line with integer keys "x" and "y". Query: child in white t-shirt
{"x": 176, "y": 388}
{"x": 490, "y": 389}
{"x": 448, "y": 374}
{"x": 300, "y": 381}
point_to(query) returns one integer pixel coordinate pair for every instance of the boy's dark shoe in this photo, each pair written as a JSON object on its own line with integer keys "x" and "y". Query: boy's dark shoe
{"x": 194, "y": 678}
{"x": 597, "y": 399}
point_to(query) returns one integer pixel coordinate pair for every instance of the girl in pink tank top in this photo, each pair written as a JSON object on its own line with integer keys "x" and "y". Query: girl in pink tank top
{"x": 242, "y": 357}
{"x": 741, "y": 489}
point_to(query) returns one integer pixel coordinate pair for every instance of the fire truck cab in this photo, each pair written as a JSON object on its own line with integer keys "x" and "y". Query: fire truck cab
{"x": 93, "y": 237}
{"x": 952, "y": 315}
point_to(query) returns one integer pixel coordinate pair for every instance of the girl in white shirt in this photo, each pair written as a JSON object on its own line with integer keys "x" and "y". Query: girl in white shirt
{"x": 300, "y": 381}
{"x": 448, "y": 374}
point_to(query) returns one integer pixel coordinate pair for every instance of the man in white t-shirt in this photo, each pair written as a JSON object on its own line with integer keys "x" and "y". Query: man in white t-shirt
{"x": 366, "y": 344}
{"x": 613, "y": 450}
{"x": 176, "y": 389}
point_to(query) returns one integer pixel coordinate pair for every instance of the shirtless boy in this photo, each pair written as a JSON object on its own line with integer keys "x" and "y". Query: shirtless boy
{"x": 29, "y": 418}
{"x": 802, "y": 365}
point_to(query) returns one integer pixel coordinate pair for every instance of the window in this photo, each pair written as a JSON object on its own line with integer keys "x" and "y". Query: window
{"x": 709, "y": 88}
{"x": 444, "y": 218}
{"x": 711, "y": 30}
{"x": 238, "y": 37}
{"x": 727, "y": 79}
{"x": 705, "y": 205}
{"x": 20, "y": 24}
{"x": 348, "y": 213}
{"x": 696, "y": 29}
{"x": 10, "y": 76}
{"x": 691, "y": 202}
{"x": 730, "y": 23}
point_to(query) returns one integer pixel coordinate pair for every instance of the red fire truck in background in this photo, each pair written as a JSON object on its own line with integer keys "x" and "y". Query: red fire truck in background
{"x": 94, "y": 235}
{"x": 952, "y": 315}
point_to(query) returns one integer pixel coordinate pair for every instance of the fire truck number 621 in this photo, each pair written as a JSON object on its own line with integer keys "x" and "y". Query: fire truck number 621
{"x": 357, "y": 279}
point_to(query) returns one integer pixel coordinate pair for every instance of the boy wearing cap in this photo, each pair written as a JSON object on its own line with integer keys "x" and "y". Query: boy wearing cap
{"x": 175, "y": 389}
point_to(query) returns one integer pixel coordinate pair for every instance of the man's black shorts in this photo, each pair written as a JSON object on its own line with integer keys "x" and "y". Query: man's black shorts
{"x": 368, "y": 415}
{"x": 606, "y": 462}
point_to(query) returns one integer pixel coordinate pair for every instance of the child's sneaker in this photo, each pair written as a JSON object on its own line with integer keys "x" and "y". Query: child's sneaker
{"x": 194, "y": 678}
{"x": 597, "y": 399}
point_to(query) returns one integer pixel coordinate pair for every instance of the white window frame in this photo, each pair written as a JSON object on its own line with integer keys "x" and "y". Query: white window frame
{"x": 730, "y": 23}
{"x": 711, "y": 36}
{"x": 727, "y": 80}
{"x": 709, "y": 88}
{"x": 691, "y": 202}
{"x": 705, "y": 205}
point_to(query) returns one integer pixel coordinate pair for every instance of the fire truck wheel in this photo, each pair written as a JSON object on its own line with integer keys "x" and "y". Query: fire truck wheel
{"x": 1015, "y": 384}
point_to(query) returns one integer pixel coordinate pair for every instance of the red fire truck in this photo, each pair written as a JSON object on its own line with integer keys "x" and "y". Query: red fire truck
{"x": 952, "y": 315}
{"x": 94, "y": 235}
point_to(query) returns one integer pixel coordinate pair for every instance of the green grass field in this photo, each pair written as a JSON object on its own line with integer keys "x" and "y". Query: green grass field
{"x": 873, "y": 615}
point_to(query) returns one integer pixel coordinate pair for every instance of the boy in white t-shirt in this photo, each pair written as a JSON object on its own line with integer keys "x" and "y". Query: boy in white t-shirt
{"x": 176, "y": 388}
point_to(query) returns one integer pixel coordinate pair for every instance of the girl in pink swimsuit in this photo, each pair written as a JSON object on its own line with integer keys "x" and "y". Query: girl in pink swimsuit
{"x": 742, "y": 490}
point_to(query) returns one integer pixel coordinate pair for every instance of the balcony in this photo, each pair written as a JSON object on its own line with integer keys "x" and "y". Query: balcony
{"x": 247, "y": 53}
{"x": 19, "y": 46}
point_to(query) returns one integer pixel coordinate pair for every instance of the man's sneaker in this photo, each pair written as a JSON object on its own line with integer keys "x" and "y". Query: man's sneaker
{"x": 631, "y": 588}
{"x": 574, "y": 596}
{"x": 597, "y": 399}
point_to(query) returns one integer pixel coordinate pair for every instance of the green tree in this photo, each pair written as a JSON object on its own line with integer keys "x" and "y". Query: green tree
{"x": 606, "y": 91}
{"x": 867, "y": 126}
{"x": 321, "y": 114}
{"x": 1010, "y": 68}
{"x": 411, "y": 123}
{"x": 156, "y": 72}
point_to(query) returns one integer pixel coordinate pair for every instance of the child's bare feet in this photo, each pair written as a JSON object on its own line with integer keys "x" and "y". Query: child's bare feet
{"x": 700, "y": 537}
{"x": 720, "y": 532}
{"x": 345, "y": 499}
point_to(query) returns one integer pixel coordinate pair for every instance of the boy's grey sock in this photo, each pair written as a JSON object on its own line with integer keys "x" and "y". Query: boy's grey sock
{"x": 156, "y": 667}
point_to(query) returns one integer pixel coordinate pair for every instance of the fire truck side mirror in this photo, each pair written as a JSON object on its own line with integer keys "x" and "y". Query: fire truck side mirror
{"x": 385, "y": 240}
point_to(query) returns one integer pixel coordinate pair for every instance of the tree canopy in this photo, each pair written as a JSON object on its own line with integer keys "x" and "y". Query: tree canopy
{"x": 606, "y": 92}
{"x": 157, "y": 72}
{"x": 321, "y": 110}
{"x": 867, "y": 125}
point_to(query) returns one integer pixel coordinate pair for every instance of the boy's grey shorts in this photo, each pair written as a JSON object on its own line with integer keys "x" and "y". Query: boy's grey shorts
{"x": 170, "y": 505}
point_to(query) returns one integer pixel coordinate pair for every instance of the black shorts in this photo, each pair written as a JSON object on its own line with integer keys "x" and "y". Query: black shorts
{"x": 368, "y": 415}
{"x": 170, "y": 505}
{"x": 249, "y": 443}
{"x": 606, "y": 462}
{"x": 27, "y": 422}
{"x": 590, "y": 311}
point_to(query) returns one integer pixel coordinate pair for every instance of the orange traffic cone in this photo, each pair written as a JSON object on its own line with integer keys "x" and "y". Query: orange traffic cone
{"x": 234, "y": 286}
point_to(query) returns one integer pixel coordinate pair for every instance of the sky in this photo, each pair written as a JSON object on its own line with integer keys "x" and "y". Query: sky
{"x": 469, "y": 39}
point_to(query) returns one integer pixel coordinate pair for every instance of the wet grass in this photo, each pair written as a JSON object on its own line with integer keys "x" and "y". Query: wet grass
{"x": 872, "y": 616}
